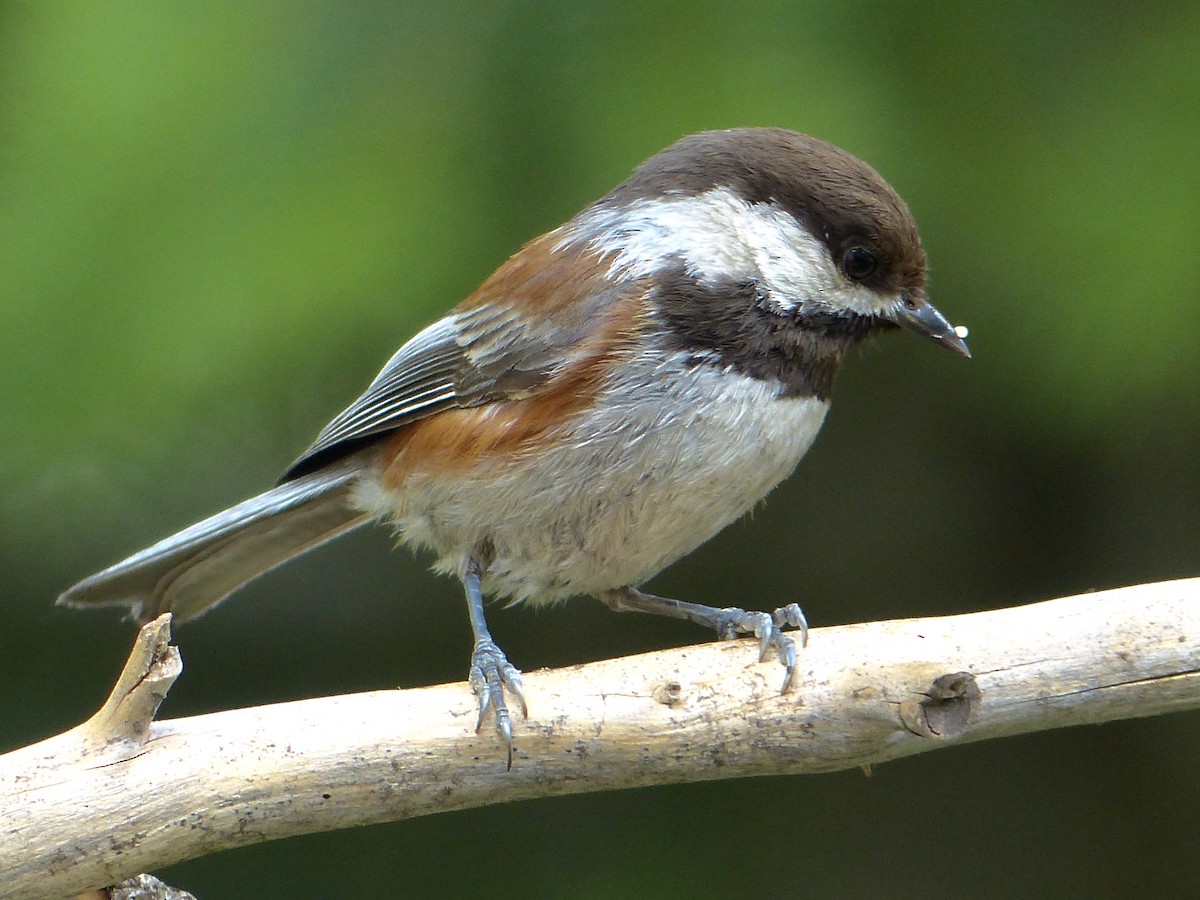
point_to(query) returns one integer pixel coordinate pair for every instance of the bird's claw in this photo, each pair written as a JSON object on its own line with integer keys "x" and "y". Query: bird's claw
{"x": 768, "y": 628}
{"x": 490, "y": 676}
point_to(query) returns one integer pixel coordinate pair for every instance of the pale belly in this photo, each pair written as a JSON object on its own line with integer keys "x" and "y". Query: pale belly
{"x": 627, "y": 493}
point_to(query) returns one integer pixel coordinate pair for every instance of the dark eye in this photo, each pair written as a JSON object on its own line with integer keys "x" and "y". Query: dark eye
{"x": 859, "y": 263}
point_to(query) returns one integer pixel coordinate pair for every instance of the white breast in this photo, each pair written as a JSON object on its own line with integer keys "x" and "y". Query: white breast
{"x": 640, "y": 480}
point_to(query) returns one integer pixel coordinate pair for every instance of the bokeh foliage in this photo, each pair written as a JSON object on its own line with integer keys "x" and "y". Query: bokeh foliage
{"x": 218, "y": 219}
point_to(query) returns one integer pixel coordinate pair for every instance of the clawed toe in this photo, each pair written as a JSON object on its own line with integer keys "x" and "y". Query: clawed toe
{"x": 729, "y": 623}
{"x": 792, "y": 615}
{"x": 490, "y": 676}
{"x": 769, "y": 631}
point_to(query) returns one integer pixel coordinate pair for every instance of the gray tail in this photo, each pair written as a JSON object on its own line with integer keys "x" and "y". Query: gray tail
{"x": 200, "y": 566}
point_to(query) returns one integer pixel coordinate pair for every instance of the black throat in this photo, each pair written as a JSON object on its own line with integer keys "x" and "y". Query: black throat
{"x": 729, "y": 325}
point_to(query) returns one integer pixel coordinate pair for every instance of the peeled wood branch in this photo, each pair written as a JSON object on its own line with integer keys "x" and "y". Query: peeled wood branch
{"x": 122, "y": 794}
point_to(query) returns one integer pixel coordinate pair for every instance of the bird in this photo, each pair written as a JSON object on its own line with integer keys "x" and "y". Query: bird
{"x": 615, "y": 394}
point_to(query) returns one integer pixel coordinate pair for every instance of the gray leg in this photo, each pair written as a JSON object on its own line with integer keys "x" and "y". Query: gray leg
{"x": 728, "y": 623}
{"x": 491, "y": 672}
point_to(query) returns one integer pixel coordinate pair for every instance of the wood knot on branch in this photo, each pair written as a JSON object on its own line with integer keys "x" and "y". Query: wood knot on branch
{"x": 945, "y": 708}
{"x": 668, "y": 693}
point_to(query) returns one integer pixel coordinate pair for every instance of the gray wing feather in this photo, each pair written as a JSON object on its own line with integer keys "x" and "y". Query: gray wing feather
{"x": 465, "y": 359}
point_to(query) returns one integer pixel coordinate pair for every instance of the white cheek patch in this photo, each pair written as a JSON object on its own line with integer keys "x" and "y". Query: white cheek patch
{"x": 720, "y": 237}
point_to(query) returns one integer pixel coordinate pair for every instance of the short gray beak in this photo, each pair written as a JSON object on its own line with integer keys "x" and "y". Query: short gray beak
{"x": 919, "y": 316}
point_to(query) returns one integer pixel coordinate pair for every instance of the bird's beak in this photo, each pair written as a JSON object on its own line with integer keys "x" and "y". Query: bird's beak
{"x": 918, "y": 315}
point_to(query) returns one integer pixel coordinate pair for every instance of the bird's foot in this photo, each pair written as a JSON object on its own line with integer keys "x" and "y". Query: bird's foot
{"x": 729, "y": 622}
{"x": 768, "y": 628}
{"x": 491, "y": 674}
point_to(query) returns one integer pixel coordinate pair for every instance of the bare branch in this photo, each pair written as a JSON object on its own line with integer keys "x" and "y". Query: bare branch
{"x": 121, "y": 795}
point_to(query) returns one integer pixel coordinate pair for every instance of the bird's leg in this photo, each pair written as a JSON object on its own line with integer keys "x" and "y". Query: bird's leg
{"x": 491, "y": 672}
{"x": 728, "y": 623}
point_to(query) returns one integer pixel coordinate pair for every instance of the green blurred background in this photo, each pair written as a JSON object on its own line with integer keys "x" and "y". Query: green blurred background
{"x": 218, "y": 219}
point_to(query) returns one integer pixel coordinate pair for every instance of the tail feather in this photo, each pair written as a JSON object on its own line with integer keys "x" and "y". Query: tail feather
{"x": 200, "y": 566}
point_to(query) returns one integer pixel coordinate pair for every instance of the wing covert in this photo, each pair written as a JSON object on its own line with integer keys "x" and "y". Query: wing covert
{"x": 485, "y": 350}
{"x": 465, "y": 359}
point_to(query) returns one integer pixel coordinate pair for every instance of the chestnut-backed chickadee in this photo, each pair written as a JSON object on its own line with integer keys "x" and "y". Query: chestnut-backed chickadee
{"x": 614, "y": 395}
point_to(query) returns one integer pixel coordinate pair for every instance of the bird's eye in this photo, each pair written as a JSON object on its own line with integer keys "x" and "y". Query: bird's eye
{"x": 859, "y": 263}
